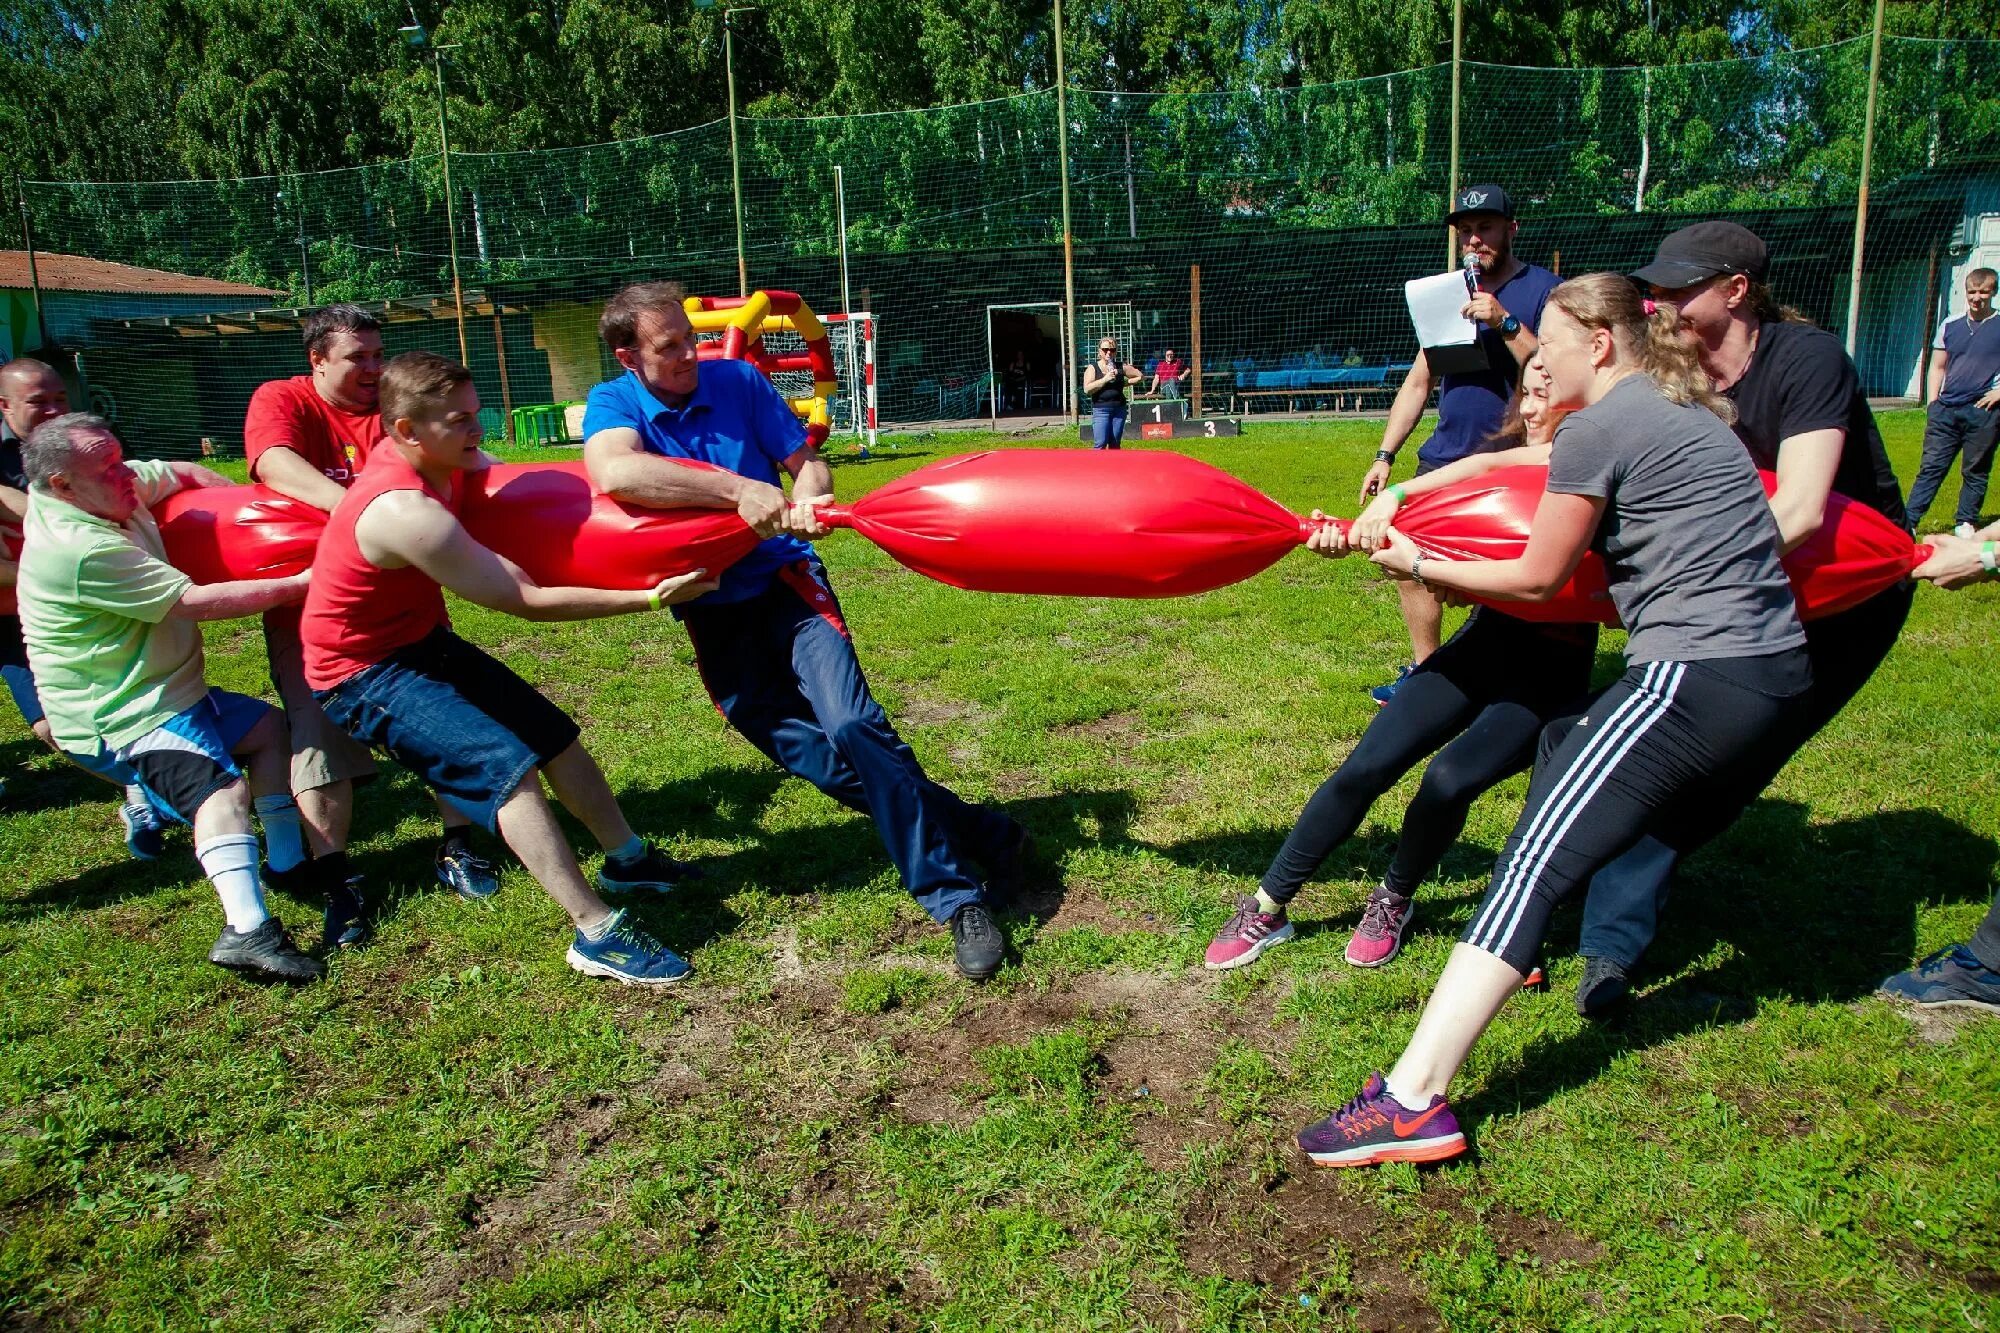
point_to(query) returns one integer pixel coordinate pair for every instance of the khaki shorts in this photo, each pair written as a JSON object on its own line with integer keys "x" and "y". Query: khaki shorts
{"x": 322, "y": 754}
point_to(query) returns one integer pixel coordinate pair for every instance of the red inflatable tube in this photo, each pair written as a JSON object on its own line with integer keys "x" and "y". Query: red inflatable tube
{"x": 1140, "y": 524}
{"x": 543, "y": 516}
{"x": 1073, "y": 523}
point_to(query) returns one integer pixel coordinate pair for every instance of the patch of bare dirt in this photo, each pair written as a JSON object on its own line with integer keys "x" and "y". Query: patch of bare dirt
{"x": 1121, "y": 728}
{"x": 1285, "y": 1232}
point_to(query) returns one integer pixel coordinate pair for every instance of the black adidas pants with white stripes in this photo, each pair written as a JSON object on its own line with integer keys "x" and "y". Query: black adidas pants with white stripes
{"x": 1646, "y": 757}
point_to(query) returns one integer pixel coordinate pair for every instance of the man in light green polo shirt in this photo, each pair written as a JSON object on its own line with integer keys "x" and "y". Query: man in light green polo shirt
{"x": 114, "y": 638}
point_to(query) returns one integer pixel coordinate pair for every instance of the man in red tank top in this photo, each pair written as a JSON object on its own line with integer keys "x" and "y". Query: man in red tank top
{"x": 308, "y": 437}
{"x": 385, "y": 666}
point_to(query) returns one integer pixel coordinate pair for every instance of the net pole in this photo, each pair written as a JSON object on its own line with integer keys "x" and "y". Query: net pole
{"x": 450, "y": 215}
{"x": 1457, "y": 69}
{"x": 1861, "y": 199}
{"x": 1069, "y": 240}
{"x": 1194, "y": 335}
{"x": 846, "y": 309}
{"x": 735, "y": 156}
{"x": 506, "y": 389}
{"x": 34, "y": 275}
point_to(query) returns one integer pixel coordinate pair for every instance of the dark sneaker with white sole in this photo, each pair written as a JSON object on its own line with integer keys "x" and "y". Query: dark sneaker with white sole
{"x": 652, "y": 871}
{"x": 145, "y": 835}
{"x": 467, "y": 874}
{"x": 977, "y": 945}
{"x": 266, "y": 953}
{"x": 1603, "y": 988}
{"x": 1951, "y": 978}
{"x": 346, "y": 922}
{"x": 627, "y": 955}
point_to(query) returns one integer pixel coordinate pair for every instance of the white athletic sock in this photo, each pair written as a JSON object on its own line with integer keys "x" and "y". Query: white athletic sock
{"x": 1409, "y": 1101}
{"x": 1268, "y": 905}
{"x": 598, "y": 931}
{"x": 628, "y": 851}
{"x": 136, "y": 795}
{"x": 284, "y": 835}
{"x": 230, "y": 862}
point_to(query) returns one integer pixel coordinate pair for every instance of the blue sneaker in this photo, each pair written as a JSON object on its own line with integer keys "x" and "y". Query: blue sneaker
{"x": 145, "y": 836}
{"x": 652, "y": 871}
{"x": 1951, "y": 978}
{"x": 1382, "y": 694}
{"x": 627, "y": 955}
{"x": 467, "y": 874}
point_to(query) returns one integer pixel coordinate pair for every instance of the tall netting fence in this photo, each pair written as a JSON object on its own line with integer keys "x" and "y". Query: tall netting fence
{"x": 1304, "y": 211}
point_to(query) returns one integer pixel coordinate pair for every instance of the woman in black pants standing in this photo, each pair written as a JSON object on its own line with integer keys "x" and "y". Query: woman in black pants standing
{"x": 1652, "y": 479}
{"x": 1801, "y": 413}
{"x": 1485, "y": 696}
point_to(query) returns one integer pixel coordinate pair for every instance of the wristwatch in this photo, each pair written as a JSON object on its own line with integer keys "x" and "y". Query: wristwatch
{"x": 1384, "y": 456}
{"x": 1509, "y": 327}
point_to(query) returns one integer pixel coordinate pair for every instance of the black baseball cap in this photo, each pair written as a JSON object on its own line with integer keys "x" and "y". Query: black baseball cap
{"x": 1704, "y": 250}
{"x": 1481, "y": 199}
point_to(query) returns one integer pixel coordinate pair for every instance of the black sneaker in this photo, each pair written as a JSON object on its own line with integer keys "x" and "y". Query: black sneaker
{"x": 266, "y": 953}
{"x": 346, "y": 921}
{"x": 653, "y": 871}
{"x": 977, "y": 944}
{"x": 467, "y": 873}
{"x": 1603, "y": 989}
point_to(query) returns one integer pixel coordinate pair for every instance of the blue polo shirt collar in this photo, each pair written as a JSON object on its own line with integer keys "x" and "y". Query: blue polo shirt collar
{"x": 656, "y": 411}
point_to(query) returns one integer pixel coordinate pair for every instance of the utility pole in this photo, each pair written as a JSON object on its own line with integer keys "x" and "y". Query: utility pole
{"x": 1861, "y": 202}
{"x": 735, "y": 154}
{"x": 1068, "y": 238}
{"x": 1457, "y": 67}
{"x": 418, "y": 39}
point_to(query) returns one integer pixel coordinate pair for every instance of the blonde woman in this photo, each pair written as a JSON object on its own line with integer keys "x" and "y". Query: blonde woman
{"x": 1644, "y": 472}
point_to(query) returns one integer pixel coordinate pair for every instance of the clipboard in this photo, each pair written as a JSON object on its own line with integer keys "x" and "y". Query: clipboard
{"x": 1450, "y": 341}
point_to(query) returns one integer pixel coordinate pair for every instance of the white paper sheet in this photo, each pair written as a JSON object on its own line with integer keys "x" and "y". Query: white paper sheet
{"x": 1434, "y": 306}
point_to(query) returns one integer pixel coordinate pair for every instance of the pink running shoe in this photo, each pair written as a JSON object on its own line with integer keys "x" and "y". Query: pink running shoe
{"x": 1249, "y": 932}
{"x": 1380, "y": 934}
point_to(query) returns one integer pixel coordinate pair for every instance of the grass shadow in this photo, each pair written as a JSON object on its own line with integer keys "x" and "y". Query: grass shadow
{"x": 1811, "y": 914}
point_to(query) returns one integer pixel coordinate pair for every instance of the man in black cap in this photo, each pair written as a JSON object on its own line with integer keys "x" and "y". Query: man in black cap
{"x": 1507, "y": 304}
{"x": 1801, "y": 413}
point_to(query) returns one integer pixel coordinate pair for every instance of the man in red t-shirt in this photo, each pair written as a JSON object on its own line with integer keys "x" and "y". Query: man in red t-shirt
{"x": 380, "y": 654}
{"x": 308, "y": 437}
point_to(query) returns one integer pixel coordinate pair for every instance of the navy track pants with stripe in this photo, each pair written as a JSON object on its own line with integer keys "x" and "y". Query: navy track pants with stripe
{"x": 1645, "y": 756}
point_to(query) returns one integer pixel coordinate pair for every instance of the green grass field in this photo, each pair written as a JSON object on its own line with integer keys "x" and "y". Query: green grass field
{"x": 826, "y": 1128}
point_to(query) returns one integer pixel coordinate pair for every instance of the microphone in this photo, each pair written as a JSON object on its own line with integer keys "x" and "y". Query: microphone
{"x": 1471, "y": 262}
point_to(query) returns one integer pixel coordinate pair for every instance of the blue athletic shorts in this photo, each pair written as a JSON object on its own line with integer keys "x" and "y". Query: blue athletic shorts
{"x": 21, "y": 684}
{"x": 188, "y": 758}
{"x": 454, "y": 716}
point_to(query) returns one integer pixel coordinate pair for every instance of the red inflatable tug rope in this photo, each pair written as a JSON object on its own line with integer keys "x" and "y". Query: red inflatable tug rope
{"x": 543, "y": 516}
{"x": 1132, "y": 523}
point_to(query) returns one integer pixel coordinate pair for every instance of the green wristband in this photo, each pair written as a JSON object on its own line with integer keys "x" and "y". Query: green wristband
{"x": 1397, "y": 491}
{"x": 653, "y": 600}
{"x": 1989, "y": 558}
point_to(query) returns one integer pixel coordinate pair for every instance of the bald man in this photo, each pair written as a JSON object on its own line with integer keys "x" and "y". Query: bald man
{"x": 31, "y": 392}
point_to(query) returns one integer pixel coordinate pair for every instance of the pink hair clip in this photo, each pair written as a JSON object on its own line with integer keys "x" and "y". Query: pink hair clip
{"x": 1647, "y": 304}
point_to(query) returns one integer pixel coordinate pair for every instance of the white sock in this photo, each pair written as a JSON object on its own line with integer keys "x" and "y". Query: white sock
{"x": 596, "y": 932}
{"x": 284, "y": 835}
{"x": 627, "y": 851}
{"x": 1409, "y": 1101}
{"x": 1268, "y": 905}
{"x": 136, "y": 795}
{"x": 230, "y": 862}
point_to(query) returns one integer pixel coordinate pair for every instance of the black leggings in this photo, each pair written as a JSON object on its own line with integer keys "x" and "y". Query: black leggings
{"x": 1647, "y": 758}
{"x": 1488, "y": 692}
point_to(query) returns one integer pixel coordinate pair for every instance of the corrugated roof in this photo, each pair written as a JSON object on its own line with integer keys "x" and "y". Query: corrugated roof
{"x": 76, "y": 273}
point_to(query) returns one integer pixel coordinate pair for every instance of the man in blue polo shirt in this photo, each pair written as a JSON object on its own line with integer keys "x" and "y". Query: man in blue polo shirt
{"x": 1507, "y": 306}
{"x": 1964, "y": 413}
{"x": 770, "y": 642}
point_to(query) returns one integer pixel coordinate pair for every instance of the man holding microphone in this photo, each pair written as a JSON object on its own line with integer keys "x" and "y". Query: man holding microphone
{"x": 1506, "y": 300}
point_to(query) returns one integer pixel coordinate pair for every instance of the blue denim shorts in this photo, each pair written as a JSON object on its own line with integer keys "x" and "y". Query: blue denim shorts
{"x": 455, "y": 717}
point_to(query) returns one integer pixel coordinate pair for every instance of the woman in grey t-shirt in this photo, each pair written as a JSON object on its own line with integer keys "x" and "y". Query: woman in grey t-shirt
{"x": 1645, "y": 472}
